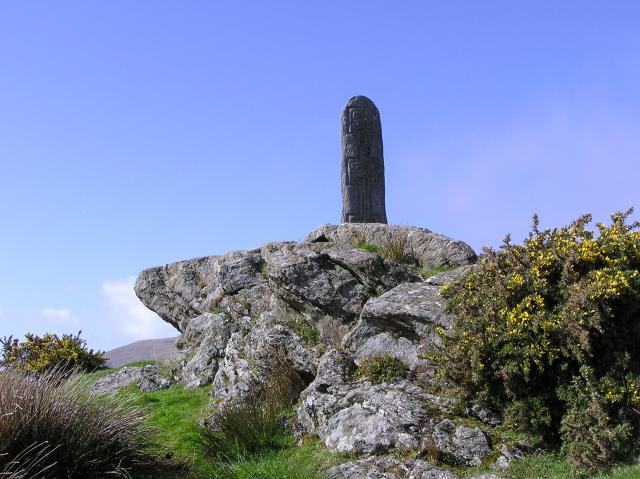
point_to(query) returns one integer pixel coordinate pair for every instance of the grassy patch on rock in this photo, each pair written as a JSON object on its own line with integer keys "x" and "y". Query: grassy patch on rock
{"x": 256, "y": 441}
{"x": 428, "y": 272}
{"x": 297, "y": 323}
{"x": 381, "y": 368}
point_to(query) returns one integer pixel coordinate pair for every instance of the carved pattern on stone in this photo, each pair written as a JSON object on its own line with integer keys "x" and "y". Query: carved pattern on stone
{"x": 362, "y": 163}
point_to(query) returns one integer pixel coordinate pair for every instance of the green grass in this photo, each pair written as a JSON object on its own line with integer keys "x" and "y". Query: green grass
{"x": 305, "y": 462}
{"x": 371, "y": 248}
{"x": 264, "y": 271}
{"x": 175, "y": 413}
{"x": 381, "y": 368}
{"x": 302, "y": 328}
{"x": 428, "y": 272}
{"x": 554, "y": 466}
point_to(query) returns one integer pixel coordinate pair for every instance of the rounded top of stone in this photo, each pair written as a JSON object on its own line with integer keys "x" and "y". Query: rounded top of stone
{"x": 361, "y": 101}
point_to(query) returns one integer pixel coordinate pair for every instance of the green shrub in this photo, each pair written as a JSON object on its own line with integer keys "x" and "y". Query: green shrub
{"x": 381, "y": 368}
{"x": 548, "y": 332}
{"x": 52, "y": 421}
{"x": 37, "y": 354}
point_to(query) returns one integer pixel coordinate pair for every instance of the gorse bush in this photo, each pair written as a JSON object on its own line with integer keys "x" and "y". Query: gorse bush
{"x": 549, "y": 333}
{"x": 51, "y": 423}
{"x": 37, "y": 354}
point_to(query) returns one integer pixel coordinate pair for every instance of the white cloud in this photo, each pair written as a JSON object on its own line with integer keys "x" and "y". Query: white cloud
{"x": 59, "y": 317}
{"x": 129, "y": 315}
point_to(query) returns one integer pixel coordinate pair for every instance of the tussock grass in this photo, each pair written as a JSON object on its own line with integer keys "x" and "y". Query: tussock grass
{"x": 394, "y": 246}
{"x": 259, "y": 423}
{"x": 31, "y": 463}
{"x": 52, "y": 421}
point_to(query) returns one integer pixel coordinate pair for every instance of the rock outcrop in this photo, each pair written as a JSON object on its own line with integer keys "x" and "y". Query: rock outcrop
{"x": 419, "y": 246}
{"x": 322, "y": 305}
{"x": 388, "y": 467}
{"x": 147, "y": 378}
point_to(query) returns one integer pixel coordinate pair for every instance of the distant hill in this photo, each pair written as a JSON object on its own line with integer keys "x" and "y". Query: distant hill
{"x": 147, "y": 349}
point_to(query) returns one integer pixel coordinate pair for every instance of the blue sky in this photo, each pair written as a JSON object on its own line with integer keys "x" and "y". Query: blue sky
{"x": 134, "y": 134}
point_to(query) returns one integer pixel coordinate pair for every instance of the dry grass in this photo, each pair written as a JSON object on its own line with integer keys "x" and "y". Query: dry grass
{"x": 393, "y": 247}
{"x": 332, "y": 332}
{"x": 51, "y": 426}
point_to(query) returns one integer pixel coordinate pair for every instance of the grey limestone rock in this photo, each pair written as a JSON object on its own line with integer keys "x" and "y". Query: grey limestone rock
{"x": 460, "y": 444}
{"x": 147, "y": 378}
{"x": 233, "y": 309}
{"x": 249, "y": 355}
{"x": 238, "y": 310}
{"x": 362, "y": 163}
{"x": 205, "y": 338}
{"x": 366, "y": 419}
{"x": 421, "y": 246}
{"x": 398, "y": 322}
{"x": 509, "y": 454}
{"x": 179, "y": 292}
{"x": 485, "y": 415}
{"x": 388, "y": 467}
{"x": 328, "y": 278}
{"x": 363, "y": 419}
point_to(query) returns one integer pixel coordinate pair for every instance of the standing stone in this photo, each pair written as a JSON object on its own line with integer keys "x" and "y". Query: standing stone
{"x": 362, "y": 163}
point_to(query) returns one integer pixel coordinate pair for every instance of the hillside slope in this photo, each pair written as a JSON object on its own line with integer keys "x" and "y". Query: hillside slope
{"x": 147, "y": 349}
